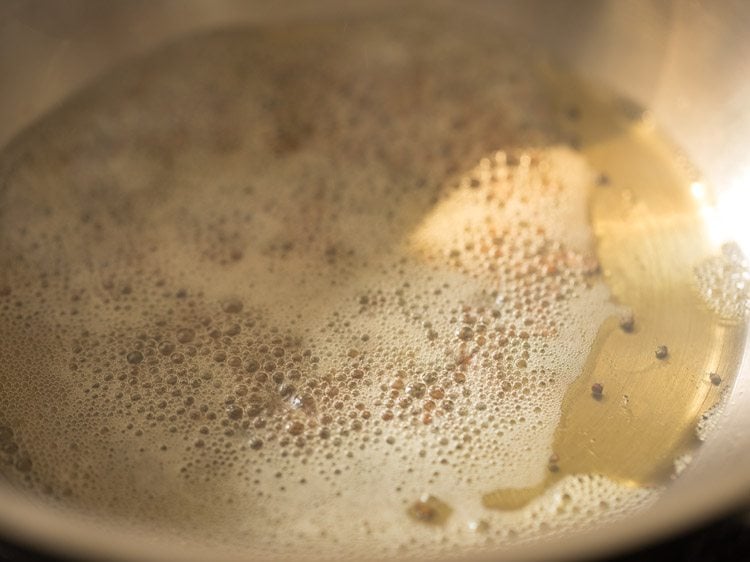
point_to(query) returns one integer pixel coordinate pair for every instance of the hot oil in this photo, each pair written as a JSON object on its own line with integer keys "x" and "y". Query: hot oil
{"x": 345, "y": 298}
{"x": 651, "y": 237}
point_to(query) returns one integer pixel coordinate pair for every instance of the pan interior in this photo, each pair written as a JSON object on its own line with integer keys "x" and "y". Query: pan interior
{"x": 414, "y": 279}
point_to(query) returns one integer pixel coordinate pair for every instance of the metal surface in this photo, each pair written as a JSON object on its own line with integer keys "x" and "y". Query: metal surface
{"x": 688, "y": 62}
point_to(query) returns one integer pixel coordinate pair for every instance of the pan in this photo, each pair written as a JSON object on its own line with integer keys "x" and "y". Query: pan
{"x": 678, "y": 67}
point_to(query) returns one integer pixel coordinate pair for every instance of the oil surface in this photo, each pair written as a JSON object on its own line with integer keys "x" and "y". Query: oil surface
{"x": 352, "y": 286}
{"x": 652, "y": 247}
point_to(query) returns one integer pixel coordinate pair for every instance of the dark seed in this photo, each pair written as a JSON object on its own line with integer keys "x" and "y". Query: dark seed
{"x": 627, "y": 322}
{"x": 597, "y": 390}
{"x": 715, "y": 379}
{"x": 662, "y": 352}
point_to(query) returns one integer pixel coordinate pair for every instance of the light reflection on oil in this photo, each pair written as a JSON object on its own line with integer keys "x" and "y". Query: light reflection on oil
{"x": 653, "y": 224}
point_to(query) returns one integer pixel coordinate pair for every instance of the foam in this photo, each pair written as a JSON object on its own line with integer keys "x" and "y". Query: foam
{"x": 244, "y": 281}
{"x": 722, "y": 282}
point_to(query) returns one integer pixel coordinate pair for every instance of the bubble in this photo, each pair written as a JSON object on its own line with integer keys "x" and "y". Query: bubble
{"x": 166, "y": 348}
{"x": 185, "y": 335}
{"x": 465, "y": 333}
{"x": 135, "y": 357}
{"x": 416, "y": 390}
{"x": 295, "y": 427}
{"x": 234, "y": 412}
{"x": 231, "y": 306}
{"x": 723, "y": 281}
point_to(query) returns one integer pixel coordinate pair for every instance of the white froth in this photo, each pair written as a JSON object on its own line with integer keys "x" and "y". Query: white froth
{"x": 269, "y": 296}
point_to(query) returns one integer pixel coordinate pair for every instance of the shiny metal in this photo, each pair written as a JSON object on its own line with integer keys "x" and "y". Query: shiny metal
{"x": 687, "y": 61}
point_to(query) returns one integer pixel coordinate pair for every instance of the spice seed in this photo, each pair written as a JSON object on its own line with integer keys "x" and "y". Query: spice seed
{"x": 597, "y": 390}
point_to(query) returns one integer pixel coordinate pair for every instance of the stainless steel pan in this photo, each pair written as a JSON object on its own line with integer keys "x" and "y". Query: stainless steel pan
{"x": 687, "y": 61}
